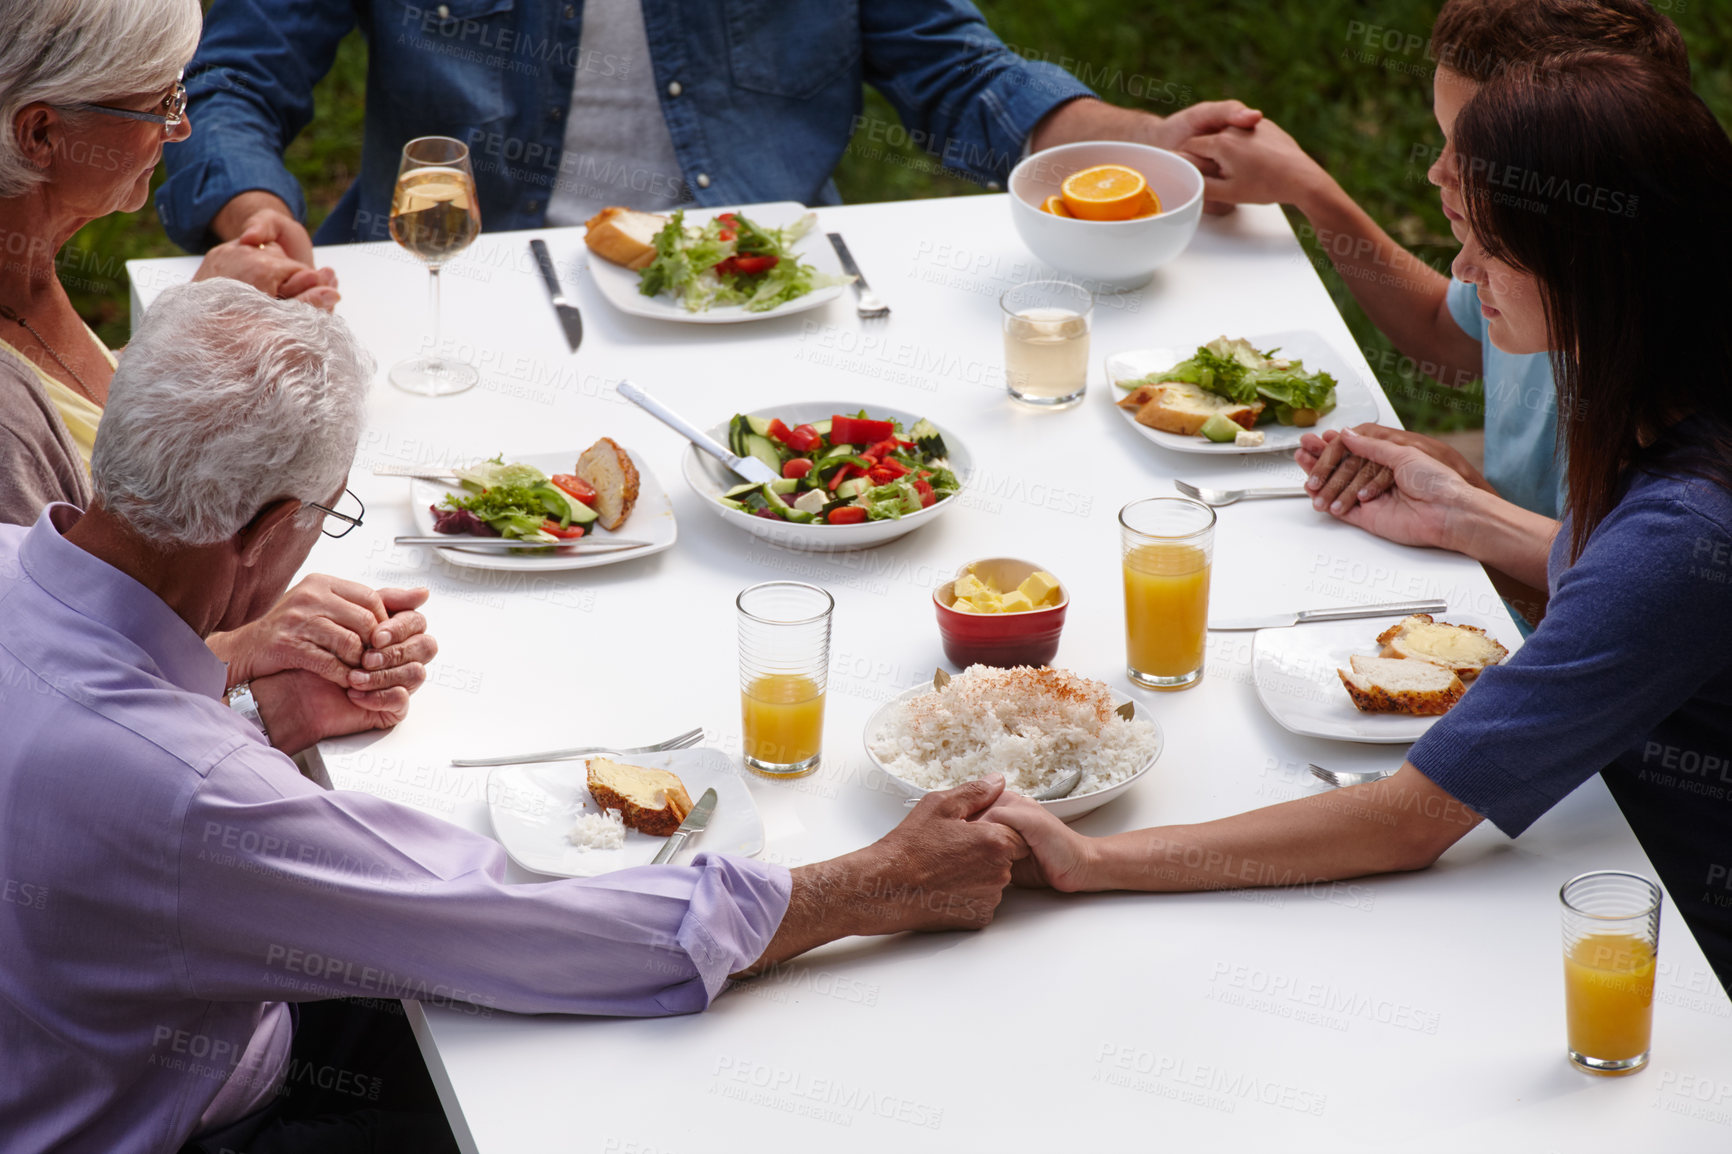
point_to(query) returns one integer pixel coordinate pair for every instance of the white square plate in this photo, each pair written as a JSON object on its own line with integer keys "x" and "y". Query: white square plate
{"x": 1354, "y": 403}
{"x": 651, "y": 520}
{"x": 534, "y": 807}
{"x": 619, "y": 284}
{"x": 1296, "y": 680}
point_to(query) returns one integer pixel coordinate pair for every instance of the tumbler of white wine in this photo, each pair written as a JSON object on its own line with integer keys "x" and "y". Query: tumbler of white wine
{"x": 434, "y": 215}
{"x": 1046, "y": 342}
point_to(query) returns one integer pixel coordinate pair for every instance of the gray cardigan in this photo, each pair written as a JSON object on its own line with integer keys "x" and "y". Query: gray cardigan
{"x": 39, "y": 463}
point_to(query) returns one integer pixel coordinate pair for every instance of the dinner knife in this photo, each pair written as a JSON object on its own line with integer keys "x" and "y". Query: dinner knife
{"x": 694, "y": 823}
{"x": 1344, "y": 613}
{"x": 750, "y": 468}
{"x": 457, "y": 541}
{"x": 569, "y": 318}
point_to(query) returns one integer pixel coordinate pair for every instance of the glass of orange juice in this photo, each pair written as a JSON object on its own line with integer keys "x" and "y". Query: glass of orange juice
{"x": 1167, "y": 545}
{"x": 1611, "y": 937}
{"x": 784, "y": 667}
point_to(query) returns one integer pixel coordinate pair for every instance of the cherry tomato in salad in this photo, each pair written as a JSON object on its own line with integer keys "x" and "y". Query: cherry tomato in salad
{"x": 927, "y": 496}
{"x": 846, "y": 515}
{"x": 576, "y": 486}
{"x": 568, "y": 534}
{"x": 747, "y": 265}
{"x": 778, "y": 430}
{"x": 797, "y": 467}
{"x": 803, "y": 439}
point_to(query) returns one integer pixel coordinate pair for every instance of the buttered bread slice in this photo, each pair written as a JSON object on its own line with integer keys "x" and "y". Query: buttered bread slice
{"x": 1391, "y": 685}
{"x": 624, "y": 236}
{"x": 652, "y": 801}
{"x": 1462, "y": 649}
{"x": 1180, "y": 407}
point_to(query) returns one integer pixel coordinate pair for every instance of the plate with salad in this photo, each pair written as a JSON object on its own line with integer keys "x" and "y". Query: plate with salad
{"x": 1255, "y": 394}
{"x": 538, "y": 496}
{"x": 725, "y": 266}
{"x": 852, "y": 475}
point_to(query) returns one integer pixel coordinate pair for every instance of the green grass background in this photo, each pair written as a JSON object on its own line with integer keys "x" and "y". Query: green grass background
{"x": 1303, "y": 62}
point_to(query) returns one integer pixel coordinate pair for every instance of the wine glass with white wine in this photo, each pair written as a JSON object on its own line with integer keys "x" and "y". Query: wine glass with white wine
{"x": 434, "y": 215}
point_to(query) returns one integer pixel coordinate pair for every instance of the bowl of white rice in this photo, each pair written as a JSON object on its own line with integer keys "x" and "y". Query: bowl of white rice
{"x": 1031, "y": 725}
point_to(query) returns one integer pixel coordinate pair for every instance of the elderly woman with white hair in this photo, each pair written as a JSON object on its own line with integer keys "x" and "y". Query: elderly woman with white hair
{"x": 89, "y": 92}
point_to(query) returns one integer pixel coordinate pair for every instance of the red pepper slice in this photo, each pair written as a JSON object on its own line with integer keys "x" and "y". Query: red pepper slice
{"x": 778, "y": 430}
{"x": 846, "y": 515}
{"x": 803, "y": 439}
{"x": 897, "y": 468}
{"x": 571, "y": 534}
{"x": 797, "y": 467}
{"x": 576, "y": 486}
{"x": 842, "y": 474}
{"x": 927, "y": 497}
{"x": 858, "y": 430}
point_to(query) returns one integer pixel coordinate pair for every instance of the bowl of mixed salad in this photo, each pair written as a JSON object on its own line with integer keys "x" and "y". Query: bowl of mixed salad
{"x": 850, "y": 476}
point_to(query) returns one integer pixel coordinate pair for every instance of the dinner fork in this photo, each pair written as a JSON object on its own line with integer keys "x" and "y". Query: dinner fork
{"x": 684, "y": 740}
{"x": 1344, "y": 777}
{"x": 1229, "y": 496}
{"x": 871, "y": 306}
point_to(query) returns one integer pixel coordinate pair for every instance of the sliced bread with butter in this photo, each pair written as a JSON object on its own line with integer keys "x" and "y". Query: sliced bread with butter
{"x": 624, "y": 236}
{"x": 1180, "y": 407}
{"x": 652, "y": 801}
{"x": 1393, "y": 685}
{"x": 1462, "y": 649}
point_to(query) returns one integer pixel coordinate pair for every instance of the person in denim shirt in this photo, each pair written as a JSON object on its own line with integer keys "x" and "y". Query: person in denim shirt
{"x": 758, "y": 100}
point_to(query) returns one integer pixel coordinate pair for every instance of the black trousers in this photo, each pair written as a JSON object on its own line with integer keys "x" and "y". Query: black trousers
{"x": 356, "y": 1085}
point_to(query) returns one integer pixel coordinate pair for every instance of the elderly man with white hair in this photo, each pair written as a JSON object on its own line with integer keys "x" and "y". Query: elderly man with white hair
{"x": 176, "y": 883}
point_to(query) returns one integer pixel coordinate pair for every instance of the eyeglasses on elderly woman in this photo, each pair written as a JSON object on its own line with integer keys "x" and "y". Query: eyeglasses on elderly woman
{"x": 173, "y": 107}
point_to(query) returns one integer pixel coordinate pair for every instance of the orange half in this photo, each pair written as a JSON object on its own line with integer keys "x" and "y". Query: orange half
{"x": 1106, "y": 192}
{"x": 1055, "y": 205}
{"x": 1151, "y": 205}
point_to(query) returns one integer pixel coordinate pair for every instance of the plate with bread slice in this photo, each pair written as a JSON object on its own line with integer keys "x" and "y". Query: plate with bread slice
{"x": 1376, "y": 682}
{"x": 577, "y": 819}
{"x": 1187, "y": 418}
{"x": 622, "y": 243}
{"x": 629, "y": 504}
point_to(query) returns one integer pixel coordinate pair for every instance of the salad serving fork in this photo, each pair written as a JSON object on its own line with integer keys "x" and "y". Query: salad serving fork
{"x": 1231, "y": 496}
{"x": 683, "y": 741}
{"x": 870, "y": 305}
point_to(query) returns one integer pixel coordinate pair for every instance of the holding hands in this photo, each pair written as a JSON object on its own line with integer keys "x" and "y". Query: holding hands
{"x": 354, "y": 653}
{"x": 270, "y": 250}
{"x": 1387, "y": 484}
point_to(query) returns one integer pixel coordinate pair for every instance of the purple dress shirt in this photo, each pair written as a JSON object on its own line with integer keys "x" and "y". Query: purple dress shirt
{"x": 170, "y": 882}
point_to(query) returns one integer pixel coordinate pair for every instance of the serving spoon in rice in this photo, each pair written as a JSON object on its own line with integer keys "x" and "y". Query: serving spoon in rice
{"x": 1066, "y": 782}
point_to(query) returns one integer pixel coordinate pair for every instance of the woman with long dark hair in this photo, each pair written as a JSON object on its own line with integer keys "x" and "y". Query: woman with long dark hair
{"x": 1596, "y": 193}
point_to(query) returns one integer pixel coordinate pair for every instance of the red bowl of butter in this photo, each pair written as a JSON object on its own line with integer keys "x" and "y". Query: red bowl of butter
{"x": 1001, "y": 611}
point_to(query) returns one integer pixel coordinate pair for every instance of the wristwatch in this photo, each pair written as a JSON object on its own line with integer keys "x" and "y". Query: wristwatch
{"x": 241, "y": 700}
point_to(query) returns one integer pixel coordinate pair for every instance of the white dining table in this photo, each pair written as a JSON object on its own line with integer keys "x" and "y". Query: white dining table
{"x": 1412, "y": 1012}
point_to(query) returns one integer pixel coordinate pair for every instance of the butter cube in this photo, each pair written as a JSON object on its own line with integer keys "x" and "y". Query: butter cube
{"x": 963, "y": 605}
{"x": 1015, "y": 602}
{"x": 970, "y": 586}
{"x": 1040, "y": 587}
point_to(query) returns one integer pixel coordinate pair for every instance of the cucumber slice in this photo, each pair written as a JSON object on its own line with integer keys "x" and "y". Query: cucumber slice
{"x": 737, "y": 430}
{"x": 851, "y": 488}
{"x": 759, "y": 425}
{"x": 822, "y": 427}
{"x": 772, "y": 498}
{"x": 1220, "y": 429}
{"x": 765, "y": 450}
{"x": 785, "y": 485}
{"x": 739, "y": 491}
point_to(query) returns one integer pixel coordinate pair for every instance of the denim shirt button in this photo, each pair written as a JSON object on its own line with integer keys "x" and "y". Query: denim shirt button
{"x": 444, "y": 11}
{"x": 557, "y": 111}
{"x": 533, "y": 206}
{"x": 703, "y": 180}
{"x": 674, "y": 88}
{"x": 570, "y": 12}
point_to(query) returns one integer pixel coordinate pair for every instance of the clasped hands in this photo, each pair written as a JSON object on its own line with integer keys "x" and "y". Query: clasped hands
{"x": 331, "y": 657}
